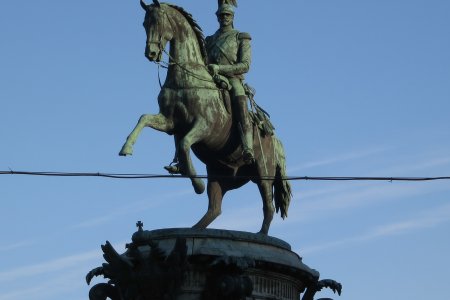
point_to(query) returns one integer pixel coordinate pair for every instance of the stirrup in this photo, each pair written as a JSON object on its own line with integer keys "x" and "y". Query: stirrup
{"x": 173, "y": 168}
{"x": 248, "y": 156}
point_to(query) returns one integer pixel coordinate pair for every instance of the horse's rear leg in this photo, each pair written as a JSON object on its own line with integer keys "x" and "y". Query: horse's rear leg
{"x": 265, "y": 188}
{"x": 197, "y": 133}
{"x": 215, "y": 196}
{"x": 158, "y": 122}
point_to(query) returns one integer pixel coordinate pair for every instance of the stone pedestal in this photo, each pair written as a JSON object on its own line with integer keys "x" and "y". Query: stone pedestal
{"x": 188, "y": 264}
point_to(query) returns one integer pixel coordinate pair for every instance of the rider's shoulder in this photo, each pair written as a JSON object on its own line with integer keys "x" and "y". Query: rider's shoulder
{"x": 244, "y": 36}
{"x": 213, "y": 37}
{"x": 214, "y": 34}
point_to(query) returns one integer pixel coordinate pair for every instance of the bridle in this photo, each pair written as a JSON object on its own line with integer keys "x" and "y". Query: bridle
{"x": 172, "y": 61}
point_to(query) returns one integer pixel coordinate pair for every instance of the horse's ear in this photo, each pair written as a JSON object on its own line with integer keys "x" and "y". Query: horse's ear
{"x": 144, "y": 5}
{"x": 156, "y": 2}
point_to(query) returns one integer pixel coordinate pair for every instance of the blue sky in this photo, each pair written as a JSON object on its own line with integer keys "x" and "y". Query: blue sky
{"x": 354, "y": 88}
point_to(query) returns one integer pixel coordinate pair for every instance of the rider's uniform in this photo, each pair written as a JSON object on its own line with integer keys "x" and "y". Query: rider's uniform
{"x": 231, "y": 51}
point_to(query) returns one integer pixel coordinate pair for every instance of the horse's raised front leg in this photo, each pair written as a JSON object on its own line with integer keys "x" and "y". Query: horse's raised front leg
{"x": 198, "y": 131}
{"x": 158, "y": 122}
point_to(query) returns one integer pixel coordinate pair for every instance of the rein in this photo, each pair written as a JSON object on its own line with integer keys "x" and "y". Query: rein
{"x": 173, "y": 61}
{"x": 165, "y": 65}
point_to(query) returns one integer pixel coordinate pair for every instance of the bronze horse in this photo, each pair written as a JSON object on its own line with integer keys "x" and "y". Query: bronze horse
{"x": 193, "y": 110}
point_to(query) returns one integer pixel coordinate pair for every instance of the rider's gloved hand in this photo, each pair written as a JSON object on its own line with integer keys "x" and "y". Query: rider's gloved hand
{"x": 213, "y": 69}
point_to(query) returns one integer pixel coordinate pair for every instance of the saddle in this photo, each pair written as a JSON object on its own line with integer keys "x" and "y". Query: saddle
{"x": 258, "y": 116}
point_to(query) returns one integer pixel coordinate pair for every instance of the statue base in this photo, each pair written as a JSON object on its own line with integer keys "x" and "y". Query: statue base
{"x": 188, "y": 264}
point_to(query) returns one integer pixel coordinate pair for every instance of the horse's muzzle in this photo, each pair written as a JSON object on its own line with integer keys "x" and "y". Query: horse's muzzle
{"x": 152, "y": 56}
{"x": 153, "y": 53}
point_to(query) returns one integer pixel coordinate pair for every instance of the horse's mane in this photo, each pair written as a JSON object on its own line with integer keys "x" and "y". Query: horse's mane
{"x": 197, "y": 29}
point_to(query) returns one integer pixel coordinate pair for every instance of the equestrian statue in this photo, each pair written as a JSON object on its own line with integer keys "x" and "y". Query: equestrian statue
{"x": 204, "y": 104}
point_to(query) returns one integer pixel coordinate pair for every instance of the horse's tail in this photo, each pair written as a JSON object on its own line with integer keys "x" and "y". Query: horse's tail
{"x": 282, "y": 187}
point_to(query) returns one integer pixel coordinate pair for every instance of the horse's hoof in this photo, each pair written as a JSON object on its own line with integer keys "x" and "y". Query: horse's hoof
{"x": 198, "y": 227}
{"x": 264, "y": 231}
{"x": 199, "y": 186}
{"x": 126, "y": 150}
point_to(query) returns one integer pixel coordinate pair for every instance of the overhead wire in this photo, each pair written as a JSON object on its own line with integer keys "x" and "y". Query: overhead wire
{"x": 165, "y": 176}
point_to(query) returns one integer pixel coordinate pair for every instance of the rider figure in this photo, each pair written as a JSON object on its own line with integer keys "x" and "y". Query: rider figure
{"x": 229, "y": 55}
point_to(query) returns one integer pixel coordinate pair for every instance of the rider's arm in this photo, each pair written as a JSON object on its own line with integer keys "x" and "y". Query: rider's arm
{"x": 244, "y": 57}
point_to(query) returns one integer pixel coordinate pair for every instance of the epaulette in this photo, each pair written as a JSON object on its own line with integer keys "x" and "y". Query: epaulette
{"x": 244, "y": 36}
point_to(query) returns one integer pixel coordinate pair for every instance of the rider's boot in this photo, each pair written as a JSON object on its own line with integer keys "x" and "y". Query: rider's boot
{"x": 173, "y": 168}
{"x": 246, "y": 130}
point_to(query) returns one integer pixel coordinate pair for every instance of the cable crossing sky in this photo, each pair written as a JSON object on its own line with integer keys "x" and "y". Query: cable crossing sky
{"x": 162, "y": 176}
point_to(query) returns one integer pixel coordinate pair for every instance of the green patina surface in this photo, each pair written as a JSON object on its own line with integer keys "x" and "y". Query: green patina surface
{"x": 204, "y": 104}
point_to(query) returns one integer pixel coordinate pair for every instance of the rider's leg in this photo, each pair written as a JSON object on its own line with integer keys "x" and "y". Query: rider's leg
{"x": 242, "y": 117}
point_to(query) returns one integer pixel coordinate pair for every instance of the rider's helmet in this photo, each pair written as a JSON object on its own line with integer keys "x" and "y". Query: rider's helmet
{"x": 225, "y": 9}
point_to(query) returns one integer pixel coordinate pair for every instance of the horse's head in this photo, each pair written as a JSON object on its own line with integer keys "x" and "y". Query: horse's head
{"x": 158, "y": 28}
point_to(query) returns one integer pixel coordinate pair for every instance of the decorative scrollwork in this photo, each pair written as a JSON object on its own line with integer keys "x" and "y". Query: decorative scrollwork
{"x": 138, "y": 273}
